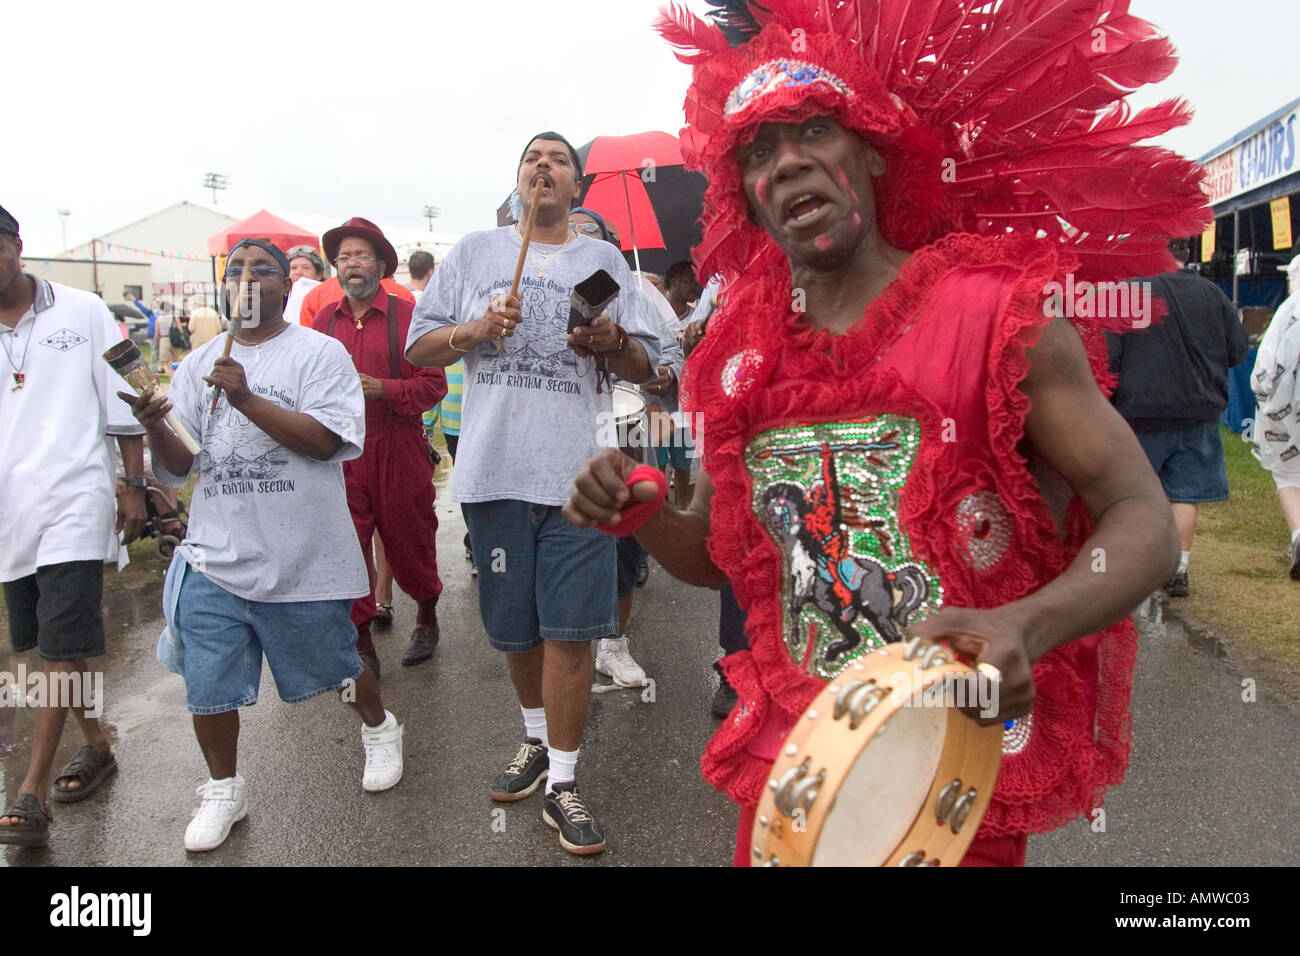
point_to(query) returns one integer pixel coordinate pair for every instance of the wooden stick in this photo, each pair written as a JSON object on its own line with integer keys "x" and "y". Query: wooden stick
{"x": 225, "y": 353}
{"x": 523, "y": 248}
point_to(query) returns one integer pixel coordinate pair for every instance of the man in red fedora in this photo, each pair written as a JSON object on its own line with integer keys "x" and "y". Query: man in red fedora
{"x": 390, "y": 487}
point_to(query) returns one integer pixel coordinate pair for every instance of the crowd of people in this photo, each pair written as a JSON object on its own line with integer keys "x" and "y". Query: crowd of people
{"x": 872, "y": 424}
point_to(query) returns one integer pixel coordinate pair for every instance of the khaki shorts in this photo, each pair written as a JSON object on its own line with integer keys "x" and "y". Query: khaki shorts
{"x": 166, "y": 354}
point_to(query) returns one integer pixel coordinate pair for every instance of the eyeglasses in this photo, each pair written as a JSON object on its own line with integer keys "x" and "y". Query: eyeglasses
{"x": 364, "y": 258}
{"x": 257, "y": 272}
{"x": 588, "y": 227}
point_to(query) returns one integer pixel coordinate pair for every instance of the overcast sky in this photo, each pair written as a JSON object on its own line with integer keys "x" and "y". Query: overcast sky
{"x": 377, "y": 108}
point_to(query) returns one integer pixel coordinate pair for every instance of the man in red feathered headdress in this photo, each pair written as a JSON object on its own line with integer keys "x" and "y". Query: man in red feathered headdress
{"x": 887, "y": 393}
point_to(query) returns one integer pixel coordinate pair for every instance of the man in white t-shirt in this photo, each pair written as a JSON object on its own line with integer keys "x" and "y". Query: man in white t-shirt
{"x": 532, "y": 408}
{"x": 271, "y": 562}
{"x": 58, "y": 416}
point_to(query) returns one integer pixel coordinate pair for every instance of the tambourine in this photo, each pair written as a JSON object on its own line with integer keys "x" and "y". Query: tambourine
{"x": 882, "y": 769}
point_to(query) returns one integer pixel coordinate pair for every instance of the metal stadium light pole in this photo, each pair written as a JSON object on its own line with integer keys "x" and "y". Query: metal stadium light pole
{"x": 215, "y": 181}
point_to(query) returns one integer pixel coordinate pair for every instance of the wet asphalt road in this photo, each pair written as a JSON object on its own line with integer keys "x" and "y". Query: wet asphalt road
{"x": 1215, "y": 780}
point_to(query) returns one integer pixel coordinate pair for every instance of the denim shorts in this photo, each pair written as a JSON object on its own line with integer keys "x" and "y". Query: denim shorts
{"x": 215, "y": 640}
{"x": 1189, "y": 463}
{"x": 679, "y": 450}
{"x": 539, "y": 577}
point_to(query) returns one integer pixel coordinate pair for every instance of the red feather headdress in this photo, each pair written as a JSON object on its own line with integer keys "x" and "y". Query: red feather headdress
{"x": 993, "y": 117}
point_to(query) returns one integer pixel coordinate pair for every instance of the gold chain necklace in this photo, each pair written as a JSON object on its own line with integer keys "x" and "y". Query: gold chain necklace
{"x": 547, "y": 257}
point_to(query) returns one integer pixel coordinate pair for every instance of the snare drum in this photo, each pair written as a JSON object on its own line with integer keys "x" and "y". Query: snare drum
{"x": 629, "y": 419}
{"x": 882, "y": 769}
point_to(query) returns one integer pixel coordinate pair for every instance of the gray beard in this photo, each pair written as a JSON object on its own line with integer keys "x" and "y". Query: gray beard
{"x": 365, "y": 294}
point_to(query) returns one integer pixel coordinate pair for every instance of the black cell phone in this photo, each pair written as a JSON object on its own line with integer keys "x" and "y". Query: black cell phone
{"x": 590, "y": 296}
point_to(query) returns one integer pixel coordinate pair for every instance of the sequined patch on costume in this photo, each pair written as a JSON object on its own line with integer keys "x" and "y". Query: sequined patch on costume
{"x": 828, "y": 495}
{"x": 983, "y": 529}
{"x": 779, "y": 74}
{"x": 1015, "y": 735}
{"x": 739, "y": 371}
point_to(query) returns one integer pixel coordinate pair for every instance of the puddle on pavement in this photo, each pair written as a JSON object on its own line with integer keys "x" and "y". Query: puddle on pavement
{"x": 131, "y": 712}
{"x": 1152, "y": 611}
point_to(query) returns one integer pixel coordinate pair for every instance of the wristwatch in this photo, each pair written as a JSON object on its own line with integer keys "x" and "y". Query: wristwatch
{"x": 139, "y": 481}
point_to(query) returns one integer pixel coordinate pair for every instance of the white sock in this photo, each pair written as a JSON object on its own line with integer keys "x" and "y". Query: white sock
{"x": 1295, "y": 534}
{"x": 563, "y": 765}
{"x": 535, "y": 724}
{"x": 603, "y": 644}
{"x": 389, "y": 722}
{"x": 1183, "y": 558}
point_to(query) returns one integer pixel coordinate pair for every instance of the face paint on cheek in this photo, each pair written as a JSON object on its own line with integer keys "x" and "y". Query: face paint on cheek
{"x": 760, "y": 189}
{"x": 857, "y": 219}
{"x": 844, "y": 179}
{"x": 822, "y": 242}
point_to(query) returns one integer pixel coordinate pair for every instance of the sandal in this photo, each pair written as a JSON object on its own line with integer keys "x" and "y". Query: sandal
{"x": 383, "y": 614}
{"x": 90, "y": 768}
{"x": 36, "y": 818}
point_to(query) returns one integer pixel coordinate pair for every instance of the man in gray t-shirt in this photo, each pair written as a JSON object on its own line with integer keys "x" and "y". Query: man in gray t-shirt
{"x": 271, "y": 562}
{"x": 535, "y": 400}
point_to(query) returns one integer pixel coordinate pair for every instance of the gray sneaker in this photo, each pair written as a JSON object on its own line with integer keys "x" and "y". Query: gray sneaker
{"x": 1177, "y": 585}
{"x": 525, "y": 773}
{"x": 564, "y": 811}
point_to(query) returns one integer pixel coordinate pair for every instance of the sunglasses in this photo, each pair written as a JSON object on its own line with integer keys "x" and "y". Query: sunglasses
{"x": 590, "y": 228}
{"x": 257, "y": 272}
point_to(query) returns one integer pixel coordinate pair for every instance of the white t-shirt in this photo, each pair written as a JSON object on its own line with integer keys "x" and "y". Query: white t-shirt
{"x": 266, "y": 523}
{"x": 670, "y": 350}
{"x": 708, "y": 301}
{"x": 531, "y": 415}
{"x": 56, "y": 453}
{"x": 293, "y": 308}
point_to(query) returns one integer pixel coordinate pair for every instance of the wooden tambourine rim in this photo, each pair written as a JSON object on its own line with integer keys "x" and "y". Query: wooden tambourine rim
{"x": 971, "y": 754}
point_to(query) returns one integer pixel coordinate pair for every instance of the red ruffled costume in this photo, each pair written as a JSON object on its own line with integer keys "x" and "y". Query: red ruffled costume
{"x": 970, "y": 307}
{"x": 1010, "y": 163}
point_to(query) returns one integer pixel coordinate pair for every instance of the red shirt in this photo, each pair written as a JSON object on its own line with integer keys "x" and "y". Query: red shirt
{"x": 407, "y": 397}
{"x": 330, "y": 291}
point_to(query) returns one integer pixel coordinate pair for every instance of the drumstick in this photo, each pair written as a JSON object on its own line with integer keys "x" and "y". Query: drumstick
{"x": 225, "y": 353}
{"x": 523, "y": 248}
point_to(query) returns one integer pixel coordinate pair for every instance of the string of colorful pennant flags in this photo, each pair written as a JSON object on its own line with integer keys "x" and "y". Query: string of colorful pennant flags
{"x": 111, "y": 246}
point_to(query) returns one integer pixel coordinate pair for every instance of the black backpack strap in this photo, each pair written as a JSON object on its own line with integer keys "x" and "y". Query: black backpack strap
{"x": 394, "y": 350}
{"x": 333, "y": 318}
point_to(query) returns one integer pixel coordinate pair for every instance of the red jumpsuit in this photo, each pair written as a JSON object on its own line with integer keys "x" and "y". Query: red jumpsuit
{"x": 390, "y": 487}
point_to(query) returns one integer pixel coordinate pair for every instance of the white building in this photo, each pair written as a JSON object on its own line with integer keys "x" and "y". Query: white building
{"x": 174, "y": 242}
{"x": 114, "y": 278}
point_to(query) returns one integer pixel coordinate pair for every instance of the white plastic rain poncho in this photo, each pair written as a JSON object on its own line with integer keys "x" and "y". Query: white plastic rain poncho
{"x": 1274, "y": 382}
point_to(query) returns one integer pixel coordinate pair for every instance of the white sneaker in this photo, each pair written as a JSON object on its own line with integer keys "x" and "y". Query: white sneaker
{"x": 225, "y": 803}
{"x": 383, "y": 745}
{"x": 615, "y": 661}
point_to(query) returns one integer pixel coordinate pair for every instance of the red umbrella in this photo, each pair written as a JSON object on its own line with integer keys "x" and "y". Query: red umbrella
{"x": 637, "y": 183}
{"x": 262, "y": 225}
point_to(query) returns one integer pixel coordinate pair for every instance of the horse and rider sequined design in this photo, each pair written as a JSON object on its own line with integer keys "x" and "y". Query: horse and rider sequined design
{"x": 828, "y": 495}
